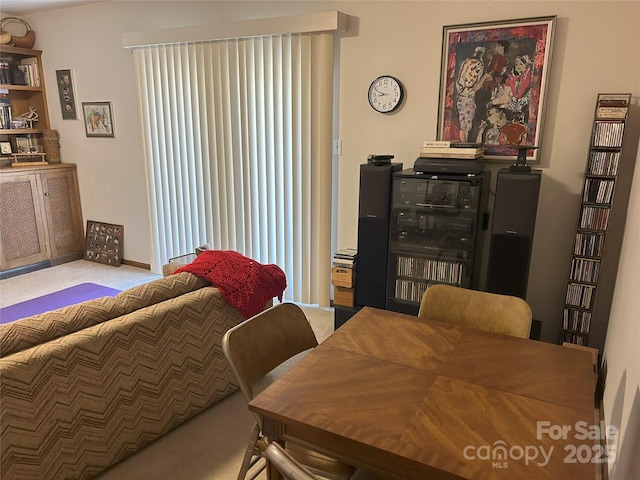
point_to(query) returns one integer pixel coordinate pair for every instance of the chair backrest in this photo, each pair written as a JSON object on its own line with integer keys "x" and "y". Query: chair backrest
{"x": 492, "y": 312}
{"x": 258, "y": 345}
{"x": 286, "y": 464}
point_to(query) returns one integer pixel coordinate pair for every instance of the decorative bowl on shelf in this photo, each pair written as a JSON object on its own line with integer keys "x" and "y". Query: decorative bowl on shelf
{"x": 25, "y": 41}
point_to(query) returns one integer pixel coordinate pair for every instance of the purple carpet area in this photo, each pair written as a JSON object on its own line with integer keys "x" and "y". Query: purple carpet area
{"x": 55, "y": 300}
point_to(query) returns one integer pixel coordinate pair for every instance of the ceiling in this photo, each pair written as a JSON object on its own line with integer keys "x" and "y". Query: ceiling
{"x": 24, "y": 7}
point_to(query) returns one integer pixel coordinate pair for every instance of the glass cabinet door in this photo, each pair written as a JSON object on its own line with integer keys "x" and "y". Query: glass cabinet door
{"x": 433, "y": 235}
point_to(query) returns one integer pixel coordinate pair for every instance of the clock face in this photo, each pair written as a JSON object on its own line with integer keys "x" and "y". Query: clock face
{"x": 385, "y": 94}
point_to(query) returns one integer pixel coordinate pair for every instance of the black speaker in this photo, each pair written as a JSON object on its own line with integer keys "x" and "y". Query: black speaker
{"x": 514, "y": 219}
{"x": 373, "y": 233}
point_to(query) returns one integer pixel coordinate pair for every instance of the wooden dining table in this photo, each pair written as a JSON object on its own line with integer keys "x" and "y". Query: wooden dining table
{"x": 409, "y": 398}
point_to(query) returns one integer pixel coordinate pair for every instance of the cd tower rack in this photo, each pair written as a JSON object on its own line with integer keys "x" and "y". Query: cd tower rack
{"x": 585, "y": 303}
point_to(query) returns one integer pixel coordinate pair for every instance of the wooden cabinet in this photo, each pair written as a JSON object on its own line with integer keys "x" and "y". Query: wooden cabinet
{"x": 22, "y": 225}
{"x": 40, "y": 216}
{"x": 62, "y": 211}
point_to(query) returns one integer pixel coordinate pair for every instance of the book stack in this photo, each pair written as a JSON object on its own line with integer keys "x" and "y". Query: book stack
{"x": 614, "y": 107}
{"x": 345, "y": 257}
{"x": 5, "y": 112}
{"x": 29, "y": 144}
{"x": 452, "y": 149}
{"x": 29, "y": 67}
{"x": 5, "y": 72}
{"x": 343, "y": 275}
{"x": 26, "y": 73}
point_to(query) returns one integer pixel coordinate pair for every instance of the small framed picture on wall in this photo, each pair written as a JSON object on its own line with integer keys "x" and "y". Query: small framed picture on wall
{"x": 98, "y": 119}
{"x": 66, "y": 94}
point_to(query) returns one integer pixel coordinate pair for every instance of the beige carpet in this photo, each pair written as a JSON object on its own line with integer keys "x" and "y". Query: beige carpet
{"x": 208, "y": 447}
{"x": 49, "y": 280}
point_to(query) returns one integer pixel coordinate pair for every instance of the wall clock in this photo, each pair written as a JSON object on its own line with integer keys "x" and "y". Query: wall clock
{"x": 385, "y": 94}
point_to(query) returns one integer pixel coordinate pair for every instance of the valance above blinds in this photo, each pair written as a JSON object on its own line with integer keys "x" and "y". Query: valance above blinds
{"x": 315, "y": 22}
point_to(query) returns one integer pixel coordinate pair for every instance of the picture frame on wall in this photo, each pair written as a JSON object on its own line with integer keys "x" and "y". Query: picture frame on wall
{"x": 493, "y": 84}
{"x": 67, "y": 95}
{"x": 98, "y": 119}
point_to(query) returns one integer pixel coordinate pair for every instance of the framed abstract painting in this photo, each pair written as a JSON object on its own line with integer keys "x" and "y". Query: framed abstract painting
{"x": 493, "y": 84}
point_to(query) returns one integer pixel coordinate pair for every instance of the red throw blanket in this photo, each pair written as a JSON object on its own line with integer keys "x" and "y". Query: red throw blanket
{"x": 244, "y": 283}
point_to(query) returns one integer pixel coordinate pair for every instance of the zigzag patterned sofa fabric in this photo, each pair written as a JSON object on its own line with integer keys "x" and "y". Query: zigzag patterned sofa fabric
{"x": 81, "y": 402}
{"x": 31, "y": 331}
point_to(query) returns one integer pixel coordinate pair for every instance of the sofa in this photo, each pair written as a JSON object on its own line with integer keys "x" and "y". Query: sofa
{"x": 85, "y": 386}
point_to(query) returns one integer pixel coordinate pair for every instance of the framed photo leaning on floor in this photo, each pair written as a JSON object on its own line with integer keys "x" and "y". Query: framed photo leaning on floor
{"x": 103, "y": 243}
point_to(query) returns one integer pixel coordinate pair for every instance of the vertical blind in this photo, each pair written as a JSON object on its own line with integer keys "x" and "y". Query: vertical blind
{"x": 237, "y": 143}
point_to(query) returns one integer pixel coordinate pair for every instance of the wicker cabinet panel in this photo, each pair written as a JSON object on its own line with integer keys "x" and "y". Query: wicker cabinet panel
{"x": 22, "y": 237}
{"x": 62, "y": 207}
{"x": 40, "y": 216}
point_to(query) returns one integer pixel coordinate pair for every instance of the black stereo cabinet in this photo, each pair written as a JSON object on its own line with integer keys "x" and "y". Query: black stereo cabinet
{"x": 436, "y": 233}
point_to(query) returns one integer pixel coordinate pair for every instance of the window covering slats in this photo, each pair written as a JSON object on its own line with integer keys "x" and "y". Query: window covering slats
{"x": 237, "y": 142}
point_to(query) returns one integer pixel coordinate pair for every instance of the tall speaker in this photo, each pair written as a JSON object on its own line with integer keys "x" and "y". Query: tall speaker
{"x": 514, "y": 219}
{"x": 373, "y": 233}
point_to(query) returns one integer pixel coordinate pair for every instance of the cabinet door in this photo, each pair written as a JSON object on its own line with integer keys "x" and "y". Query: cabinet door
{"x": 22, "y": 228}
{"x": 433, "y": 238}
{"x": 62, "y": 209}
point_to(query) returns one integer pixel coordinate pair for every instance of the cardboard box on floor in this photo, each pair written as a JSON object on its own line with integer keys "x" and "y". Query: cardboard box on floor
{"x": 344, "y": 297}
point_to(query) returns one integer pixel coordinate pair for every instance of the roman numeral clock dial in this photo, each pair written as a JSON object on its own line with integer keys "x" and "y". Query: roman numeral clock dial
{"x": 385, "y": 94}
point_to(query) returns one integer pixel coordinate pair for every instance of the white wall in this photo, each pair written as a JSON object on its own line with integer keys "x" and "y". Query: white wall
{"x": 621, "y": 354}
{"x": 597, "y": 49}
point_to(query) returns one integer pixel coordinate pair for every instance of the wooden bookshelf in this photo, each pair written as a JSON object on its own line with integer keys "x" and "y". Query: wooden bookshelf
{"x": 22, "y": 88}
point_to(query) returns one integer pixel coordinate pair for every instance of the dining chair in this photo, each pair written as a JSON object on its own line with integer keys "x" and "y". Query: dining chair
{"x": 491, "y": 312}
{"x": 286, "y": 464}
{"x": 254, "y": 348}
